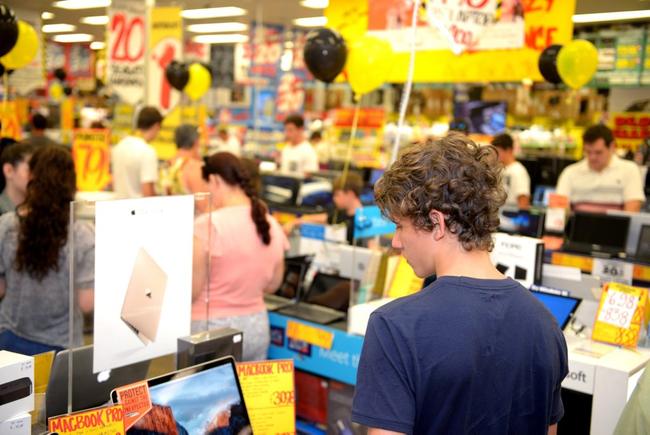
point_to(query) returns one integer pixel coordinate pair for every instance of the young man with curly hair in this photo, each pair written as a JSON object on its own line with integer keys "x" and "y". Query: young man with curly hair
{"x": 474, "y": 352}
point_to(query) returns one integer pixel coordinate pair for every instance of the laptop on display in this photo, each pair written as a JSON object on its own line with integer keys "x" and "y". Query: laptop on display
{"x": 562, "y": 307}
{"x": 290, "y": 290}
{"x": 203, "y": 399}
{"x": 590, "y": 233}
{"x": 326, "y": 291}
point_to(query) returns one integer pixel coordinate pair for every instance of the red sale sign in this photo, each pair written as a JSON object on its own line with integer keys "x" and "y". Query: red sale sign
{"x": 127, "y": 37}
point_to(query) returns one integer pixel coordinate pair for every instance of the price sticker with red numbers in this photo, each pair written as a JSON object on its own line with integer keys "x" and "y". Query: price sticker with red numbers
{"x": 618, "y": 309}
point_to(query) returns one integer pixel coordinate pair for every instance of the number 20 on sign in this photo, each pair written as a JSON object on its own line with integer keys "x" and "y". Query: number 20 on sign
{"x": 91, "y": 155}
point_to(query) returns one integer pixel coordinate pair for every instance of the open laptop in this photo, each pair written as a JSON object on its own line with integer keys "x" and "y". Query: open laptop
{"x": 143, "y": 302}
{"x": 205, "y": 398}
{"x": 593, "y": 233}
{"x": 643, "y": 246}
{"x": 295, "y": 269}
{"x": 562, "y": 307}
{"x": 528, "y": 223}
{"x": 88, "y": 389}
{"x": 325, "y": 291}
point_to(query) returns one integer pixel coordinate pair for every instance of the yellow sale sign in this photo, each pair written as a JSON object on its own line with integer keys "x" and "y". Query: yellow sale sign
{"x": 9, "y": 121}
{"x": 268, "y": 388}
{"x": 621, "y": 315}
{"x": 91, "y": 153}
{"x": 99, "y": 421}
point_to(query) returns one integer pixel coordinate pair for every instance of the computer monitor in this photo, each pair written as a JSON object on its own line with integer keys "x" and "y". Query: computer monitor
{"x": 643, "y": 248}
{"x": 593, "y": 232}
{"x": 562, "y": 307}
{"x": 541, "y": 195}
{"x": 329, "y": 290}
{"x": 522, "y": 222}
{"x": 294, "y": 275}
{"x": 484, "y": 117}
{"x": 202, "y": 399}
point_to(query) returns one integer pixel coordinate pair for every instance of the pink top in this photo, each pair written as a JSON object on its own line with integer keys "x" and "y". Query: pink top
{"x": 241, "y": 265}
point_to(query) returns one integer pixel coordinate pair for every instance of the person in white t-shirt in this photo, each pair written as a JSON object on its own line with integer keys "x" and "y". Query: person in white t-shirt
{"x": 298, "y": 156}
{"x": 322, "y": 147}
{"x": 134, "y": 161}
{"x": 225, "y": 142}
{"x": 602, "y": 181}
{"x": 515, "y": 175}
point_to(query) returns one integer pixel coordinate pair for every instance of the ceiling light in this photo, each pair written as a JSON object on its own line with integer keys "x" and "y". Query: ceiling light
{"x": 315, "y": 4}
{"x": 311, "y": 22}
{"x": 611, "y": 16}
{"x": 217, "y": 27}
{"x": 73, "y": 37}
{"x": 221, "y": 39}
{"x": 98, "y": 20}
{"x": 47, "y": 15}
{"x": 82, "y": 4}
{"x": 58, "y": 28}
{"x": 228, "y": 11}
{"x": 97, "y": 45}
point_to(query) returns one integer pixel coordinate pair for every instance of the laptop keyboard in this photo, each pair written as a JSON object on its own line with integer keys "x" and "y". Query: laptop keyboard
{"x": 312, "y": 313}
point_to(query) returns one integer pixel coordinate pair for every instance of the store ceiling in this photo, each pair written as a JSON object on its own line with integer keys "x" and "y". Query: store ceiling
{"x": 272, "y": 11}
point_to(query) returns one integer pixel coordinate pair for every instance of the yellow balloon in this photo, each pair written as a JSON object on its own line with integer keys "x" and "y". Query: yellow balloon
{"x": 577, "y": 63}
{"x": 369, "y": 63}
{"x": 56, "y": 91}
{"x": 25, "y": 49}
{"x": 199, "y": 82}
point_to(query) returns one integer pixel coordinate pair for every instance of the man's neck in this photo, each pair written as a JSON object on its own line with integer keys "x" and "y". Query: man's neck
{"x": 14, "y": 195}
{"x": 187, "y": 154}
{"x": 352, "y": 209}
{"x": 457, "y": 261}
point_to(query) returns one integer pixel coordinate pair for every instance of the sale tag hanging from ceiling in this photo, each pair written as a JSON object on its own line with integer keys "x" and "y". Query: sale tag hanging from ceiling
{"x": 125, "y": 55}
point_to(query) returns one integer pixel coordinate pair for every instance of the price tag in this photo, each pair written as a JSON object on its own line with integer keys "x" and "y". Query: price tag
{"x": 91, "y": 154}
{"x": 613, "y": 270}
{"x": 618, "y": 309}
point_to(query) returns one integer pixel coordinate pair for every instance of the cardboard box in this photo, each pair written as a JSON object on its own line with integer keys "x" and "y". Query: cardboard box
{"x": 16, "y": 384}
{"x": 19, "y": 425}
{"x": 519, "y": 258}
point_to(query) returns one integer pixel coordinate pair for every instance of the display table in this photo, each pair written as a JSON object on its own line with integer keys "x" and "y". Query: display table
{"x": 606, "y": 373}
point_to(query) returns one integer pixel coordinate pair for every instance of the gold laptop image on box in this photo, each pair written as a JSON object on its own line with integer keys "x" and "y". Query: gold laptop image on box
{"x": 143, "y": 302}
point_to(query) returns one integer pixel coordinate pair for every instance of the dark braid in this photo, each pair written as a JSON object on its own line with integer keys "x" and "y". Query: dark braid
{"x": 231, "y": 170}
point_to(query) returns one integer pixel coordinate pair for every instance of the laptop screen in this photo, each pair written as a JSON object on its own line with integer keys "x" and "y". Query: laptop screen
{"x": 330, "y": 291}
{"x": 587, "y": 228}
{"x": 201, "y": 399}
{"x": 561, "y": 307}
{"x": 643, "y": 248}
{"x": 522, "y": 222}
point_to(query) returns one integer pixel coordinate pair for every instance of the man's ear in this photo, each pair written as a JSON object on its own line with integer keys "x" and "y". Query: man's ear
{"x": 439, "y": 225}
{"x": 7, "y": 170}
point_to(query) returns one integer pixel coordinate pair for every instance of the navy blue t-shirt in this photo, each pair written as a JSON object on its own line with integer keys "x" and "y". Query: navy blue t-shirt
{"x": 463, "y": 356}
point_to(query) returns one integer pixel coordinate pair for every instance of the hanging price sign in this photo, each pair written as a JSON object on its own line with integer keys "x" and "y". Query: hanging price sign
{"x": 621, "y": 315}
{"x": 90, "y": 151}
{"x": 613, "y": 270}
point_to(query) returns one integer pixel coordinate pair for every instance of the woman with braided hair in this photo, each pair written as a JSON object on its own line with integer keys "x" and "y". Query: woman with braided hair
{"x": 246, "y": 248}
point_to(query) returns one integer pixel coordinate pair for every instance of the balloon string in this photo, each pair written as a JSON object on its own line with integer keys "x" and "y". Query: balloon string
{"x": 348, "y": 156}
{"x": 5, "y": 102}
{"x": 406, "y": 93}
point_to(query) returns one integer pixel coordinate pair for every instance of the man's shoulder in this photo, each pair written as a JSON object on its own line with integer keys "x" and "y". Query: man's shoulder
{"x": 624, "y": 165}
{"x": 581, "y": 166}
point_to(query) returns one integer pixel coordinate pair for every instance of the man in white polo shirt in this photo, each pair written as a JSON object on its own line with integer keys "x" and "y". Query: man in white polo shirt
{"x": 602, "y": 181}
{"x": 298, "y": 156}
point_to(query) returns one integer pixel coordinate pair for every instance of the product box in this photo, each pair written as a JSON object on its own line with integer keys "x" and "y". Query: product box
{"x": 16, "y": 385}
{"x": 519, "y": 258}
{"x": 18, "y": 425}
{"x": 359, "y": 315}
{"x": 209, "y": 345}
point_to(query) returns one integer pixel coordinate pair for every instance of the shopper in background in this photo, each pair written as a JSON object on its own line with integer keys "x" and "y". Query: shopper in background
{"x": 347, "y": 200}
{"x": 15, "y": 175}
{"x": 601, "y": 181}
{"x": 515, "y": 176}
{"x": 298, "y": 156}
{"x": 38, "y": 136}
{"x": 635, "y": 419}
{"x": 247, "y": 247}
{"x": 34, "y": 258}
{"x": 225, "y": 142}
{"x": 322, "y": 149}
{"x": 183, "y": 173}
{"x": 474, "y": 352}
{"x": 134, "y": 161}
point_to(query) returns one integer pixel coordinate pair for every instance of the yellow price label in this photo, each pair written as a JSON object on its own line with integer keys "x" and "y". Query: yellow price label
{"x": 310, "y": 334}
{"x": 99, "y": 421}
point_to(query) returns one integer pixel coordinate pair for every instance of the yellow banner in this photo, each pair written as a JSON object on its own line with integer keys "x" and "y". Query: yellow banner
{"x": 630, "y": 129}
{"x": 621, "y": 315}
{"x": 99, "y": 421}
{"x": 10, "y": 122}
{"x": 91, "y": 154}
{"x": 165, "y": 45}
{"x": 547, "y": 22}
{"x": 268, "y": 389}
{"x": 310, "y": 334}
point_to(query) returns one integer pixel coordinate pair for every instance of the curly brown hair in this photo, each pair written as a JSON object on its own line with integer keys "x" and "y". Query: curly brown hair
{"x": 44, "y": 216}
{"x": 452, "y": 175}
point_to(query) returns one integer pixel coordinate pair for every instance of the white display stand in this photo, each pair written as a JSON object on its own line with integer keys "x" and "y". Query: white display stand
{"x": 610, "y": 379}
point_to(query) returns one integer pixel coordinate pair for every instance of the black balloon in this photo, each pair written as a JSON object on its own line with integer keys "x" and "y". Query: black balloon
{"x": 60, "y": 74}
{"x": 177, "y": 75}
{"x": 67, "y": 90}
{"x": 548, "y": 64}
{"x": 325, "y": 54}
{"x": 2, "y": 70}
{"x": 8, "y": 29}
